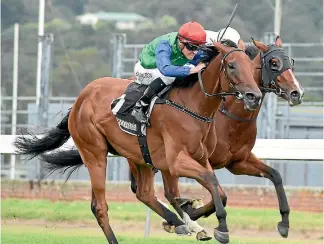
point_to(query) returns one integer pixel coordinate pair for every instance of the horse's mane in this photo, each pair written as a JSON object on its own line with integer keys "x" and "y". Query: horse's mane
{"x": 211, "y": 53}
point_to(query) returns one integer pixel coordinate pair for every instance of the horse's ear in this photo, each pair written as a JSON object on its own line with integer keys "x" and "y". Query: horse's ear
{"x": 241, "y": 44}
{"x": 278, "y": 41}
{"x": 220, "y": 47}
{"x": 260, "y": 45}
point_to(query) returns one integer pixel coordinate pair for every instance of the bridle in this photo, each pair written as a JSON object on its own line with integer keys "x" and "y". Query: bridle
{"x": 268, "y": 75}
{"x": 237, "y": 94}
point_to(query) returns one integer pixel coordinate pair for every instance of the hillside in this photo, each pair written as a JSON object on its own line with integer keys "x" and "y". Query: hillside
{"x": 87, "y": 50}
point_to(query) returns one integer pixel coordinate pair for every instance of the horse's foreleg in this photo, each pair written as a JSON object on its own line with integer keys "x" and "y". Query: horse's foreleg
{"x": 185, "y": 166}
{"x": 255, "y": 167}
{"x": 144, "y": 178}
{"x": 171, "y": 192}
{"x": 206, "y": 210}
{"x": 222, "y": 195}
{"x": 133, "y": 176}
{"x": 93, "y": 203}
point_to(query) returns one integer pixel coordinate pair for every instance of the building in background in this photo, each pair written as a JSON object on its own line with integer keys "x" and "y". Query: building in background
{"x": 122, "y": 20}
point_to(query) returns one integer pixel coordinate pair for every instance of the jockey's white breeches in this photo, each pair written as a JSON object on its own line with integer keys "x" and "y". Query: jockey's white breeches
{"x": 146, "y": 76}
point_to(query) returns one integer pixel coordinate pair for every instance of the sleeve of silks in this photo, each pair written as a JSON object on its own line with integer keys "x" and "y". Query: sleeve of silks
{"x": 163, "y": 61}
{"x": 196, "y": 60}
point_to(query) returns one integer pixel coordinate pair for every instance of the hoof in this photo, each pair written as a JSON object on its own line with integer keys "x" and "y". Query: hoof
{"x": 182, "y": 230}
{"x": 283, "y": 229}
{"x": 167, "y": 227}
{"x": 203, "y": 236}
{"x": 222, "y": 237}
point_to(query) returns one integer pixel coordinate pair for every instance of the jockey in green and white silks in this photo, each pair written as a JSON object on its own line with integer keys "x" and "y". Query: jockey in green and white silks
{"x": 169, "y": 56}
{"x": 164, "y": 59}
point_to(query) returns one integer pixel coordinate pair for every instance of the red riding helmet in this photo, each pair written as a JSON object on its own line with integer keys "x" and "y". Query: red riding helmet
{"x": 192, "y": 32}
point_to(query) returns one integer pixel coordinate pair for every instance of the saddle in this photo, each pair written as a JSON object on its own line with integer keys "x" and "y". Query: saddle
{"x": 122, "y": 107}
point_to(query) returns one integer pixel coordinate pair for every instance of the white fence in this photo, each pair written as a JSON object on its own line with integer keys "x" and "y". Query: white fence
{"x": 268, "y": 149}
{"x": 285, "y": 149}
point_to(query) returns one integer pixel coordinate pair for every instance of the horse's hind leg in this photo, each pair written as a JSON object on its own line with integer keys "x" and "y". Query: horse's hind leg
{"x": 144, "y": 177}
{"x": 93, "y": 150}
{"x": 97, "y": 171}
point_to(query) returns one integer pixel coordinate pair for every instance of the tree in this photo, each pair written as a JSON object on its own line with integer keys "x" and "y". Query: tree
{"x": 167, "y": 21}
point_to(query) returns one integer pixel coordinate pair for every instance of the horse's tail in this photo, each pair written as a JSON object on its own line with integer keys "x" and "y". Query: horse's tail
{"x": 65, "y": 161}
{"x": 33, "y": 146}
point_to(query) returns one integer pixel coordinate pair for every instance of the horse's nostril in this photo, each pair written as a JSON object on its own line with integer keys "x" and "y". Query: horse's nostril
{"x": 250, "y": 96}
{"x": 294, "y": 95}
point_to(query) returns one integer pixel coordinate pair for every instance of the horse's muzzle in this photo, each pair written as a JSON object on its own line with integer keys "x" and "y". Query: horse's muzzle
{"x": 295, "y": 98}
{"x": 252, "y": 100}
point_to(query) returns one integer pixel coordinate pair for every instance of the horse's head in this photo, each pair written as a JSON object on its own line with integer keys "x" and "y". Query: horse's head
{"x": 277, "y": 72}
{"x": 238, "y": 70}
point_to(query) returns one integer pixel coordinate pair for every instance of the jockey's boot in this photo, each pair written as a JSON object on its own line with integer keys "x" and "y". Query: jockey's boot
{"x": 139, "y": 111}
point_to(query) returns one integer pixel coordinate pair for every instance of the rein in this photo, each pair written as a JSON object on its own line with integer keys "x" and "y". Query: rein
{"x": 233, "y": 116}
{"x": 222, "y": 94}
{"x": 189, "y": 112}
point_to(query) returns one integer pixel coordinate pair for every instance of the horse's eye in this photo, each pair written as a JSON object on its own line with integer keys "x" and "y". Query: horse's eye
{"x": 230, "y": 66}
{"x": 274, "y": 64}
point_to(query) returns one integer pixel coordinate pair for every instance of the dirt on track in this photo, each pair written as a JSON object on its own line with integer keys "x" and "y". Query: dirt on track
{"x": 238, "y": 196}
{"x": 156, "y": 229}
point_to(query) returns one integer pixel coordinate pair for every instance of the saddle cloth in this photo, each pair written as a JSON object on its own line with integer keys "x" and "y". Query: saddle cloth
{"x": 123, "y": 106}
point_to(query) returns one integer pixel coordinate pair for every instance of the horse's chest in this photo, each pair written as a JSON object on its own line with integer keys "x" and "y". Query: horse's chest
{"x": 240, "y": 136}
{"x": 200, "y": 149}
{"x": 243, "y": 144}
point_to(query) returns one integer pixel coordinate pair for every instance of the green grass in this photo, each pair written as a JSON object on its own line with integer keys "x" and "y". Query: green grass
{"x": 41, "y": 235}
{"x": 243, "y": 218}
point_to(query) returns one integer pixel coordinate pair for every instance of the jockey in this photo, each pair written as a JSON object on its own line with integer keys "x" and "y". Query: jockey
{"x": 164, "y": 59}
{"x": 230, "y": 34}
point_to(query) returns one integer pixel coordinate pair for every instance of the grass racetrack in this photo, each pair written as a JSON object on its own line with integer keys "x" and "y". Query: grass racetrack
{"x": 43, "y": 221}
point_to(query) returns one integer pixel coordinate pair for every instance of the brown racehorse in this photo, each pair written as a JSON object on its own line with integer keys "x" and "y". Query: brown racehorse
{"x": 236, "y": 134}
{"x": 177, "y": 141}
